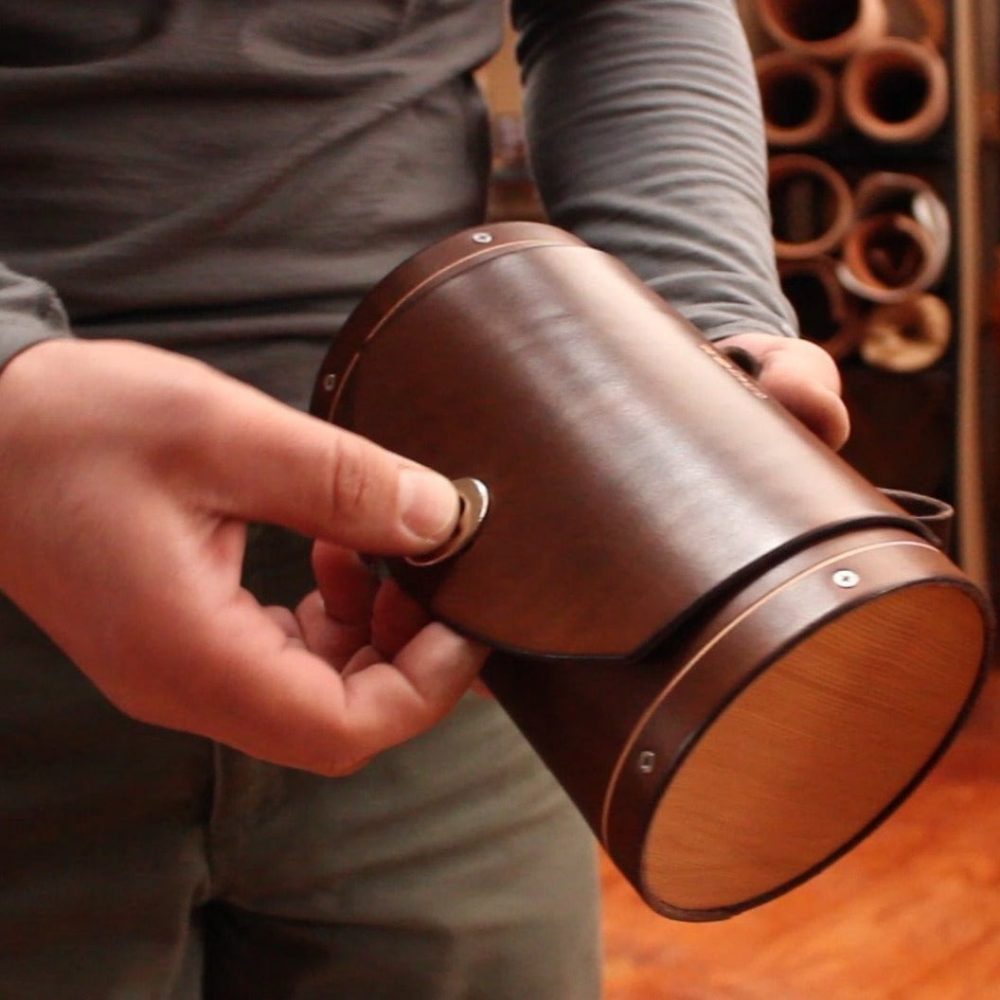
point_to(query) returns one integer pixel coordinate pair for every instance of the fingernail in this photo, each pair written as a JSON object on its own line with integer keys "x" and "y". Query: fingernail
{"x": 428, "y": 504}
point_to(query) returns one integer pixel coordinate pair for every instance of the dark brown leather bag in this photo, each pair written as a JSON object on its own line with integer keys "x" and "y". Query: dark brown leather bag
{"x": 735, "y": 654}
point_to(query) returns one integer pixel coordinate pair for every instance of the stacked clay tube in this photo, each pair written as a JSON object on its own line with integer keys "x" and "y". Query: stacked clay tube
{"x": 899, "y": 243}
{"x": 798, "y": 99}
{"x": 896, "y": 91}
{"x": 822, "y": 304}
{"x": 824, "y": 29}
{"x": 859, "y": 258}
{"x": 895, "y": 253}
{"x": 908, "y": 336}
{"x": 811, "y": 206}
{"x": 842, "y": 56}
{"x": 859, "y": 265}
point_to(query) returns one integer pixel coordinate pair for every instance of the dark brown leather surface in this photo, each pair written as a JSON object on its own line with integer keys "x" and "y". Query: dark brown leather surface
{"x": 633, "y": 470}
{"x": 659, "y": 532}
{"x": 590, "y": 720}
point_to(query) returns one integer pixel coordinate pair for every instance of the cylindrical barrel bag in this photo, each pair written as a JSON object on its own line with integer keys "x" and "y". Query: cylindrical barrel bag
{"x": 735, "y": 654}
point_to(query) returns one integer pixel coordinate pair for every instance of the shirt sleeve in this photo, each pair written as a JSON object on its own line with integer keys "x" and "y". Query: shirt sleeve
{"x": 646, "y": 139}
{"x": 30, "y": 311}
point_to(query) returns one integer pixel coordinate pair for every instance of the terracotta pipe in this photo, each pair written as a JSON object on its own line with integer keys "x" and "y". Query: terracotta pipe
{"x": 906, "y": 336}
{"x": 812, "y": 206}
{"x": 888, "y": 190}
{"x": 830, "y": 30}
{"x": 921, "y": 20}
{"x": 799, "y": 98}
{"x": 900, "y": 244}
{"x": 896, "y": 91}
{"x": 884, "y": 256}
{"x": 821, "y": 304}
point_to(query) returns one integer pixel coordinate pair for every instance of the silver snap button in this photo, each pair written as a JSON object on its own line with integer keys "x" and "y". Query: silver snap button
{"x": 647, "y": 761}
{"x": 846, "y": 578}
{"x": 482, "y": 237}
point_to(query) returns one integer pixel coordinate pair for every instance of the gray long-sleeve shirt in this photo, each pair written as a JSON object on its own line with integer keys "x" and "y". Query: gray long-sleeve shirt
{"x": 206, "y": 174}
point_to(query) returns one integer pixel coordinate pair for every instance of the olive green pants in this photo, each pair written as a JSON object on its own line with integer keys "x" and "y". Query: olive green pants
{"x": 138, "y": 863}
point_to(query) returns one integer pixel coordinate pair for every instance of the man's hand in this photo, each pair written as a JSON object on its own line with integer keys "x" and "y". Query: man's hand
{"x": 802, "y": 377}
{"x": 127, "y": 478}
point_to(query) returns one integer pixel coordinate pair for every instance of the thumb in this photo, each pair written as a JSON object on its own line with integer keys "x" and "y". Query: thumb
{"x": 271, "y": 463}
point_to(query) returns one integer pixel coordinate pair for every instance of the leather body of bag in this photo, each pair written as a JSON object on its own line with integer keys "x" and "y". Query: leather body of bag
{"x": 735, "y": 654}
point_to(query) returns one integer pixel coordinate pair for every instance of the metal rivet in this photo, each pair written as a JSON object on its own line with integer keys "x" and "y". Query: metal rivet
{"x": 647, "y": 761}
{"x": 846, "y": 578}
{"x": 482, "y": 238}
{"x": 330, "y": 382}
{"x": 475, "y": 501}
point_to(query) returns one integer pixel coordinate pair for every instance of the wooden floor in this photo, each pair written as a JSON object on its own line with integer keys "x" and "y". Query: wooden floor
{"x": 913, "y": 913}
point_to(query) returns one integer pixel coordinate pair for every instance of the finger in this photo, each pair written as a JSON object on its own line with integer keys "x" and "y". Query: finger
{"x": 480, "y": 687}
{"x": 265, "y": 695}
{"x": 802, "y": 377}
{"x": 422, "y": 684}
{"x": 381, "y": 614}
{"x": 396, "y": 619}
{"x": 818, "y": 407}
{"x": 287, "y": 622}
{"x": 347, "y": 584}
{"x": 332, "y": 640}
{"x": 362, "y": 659}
